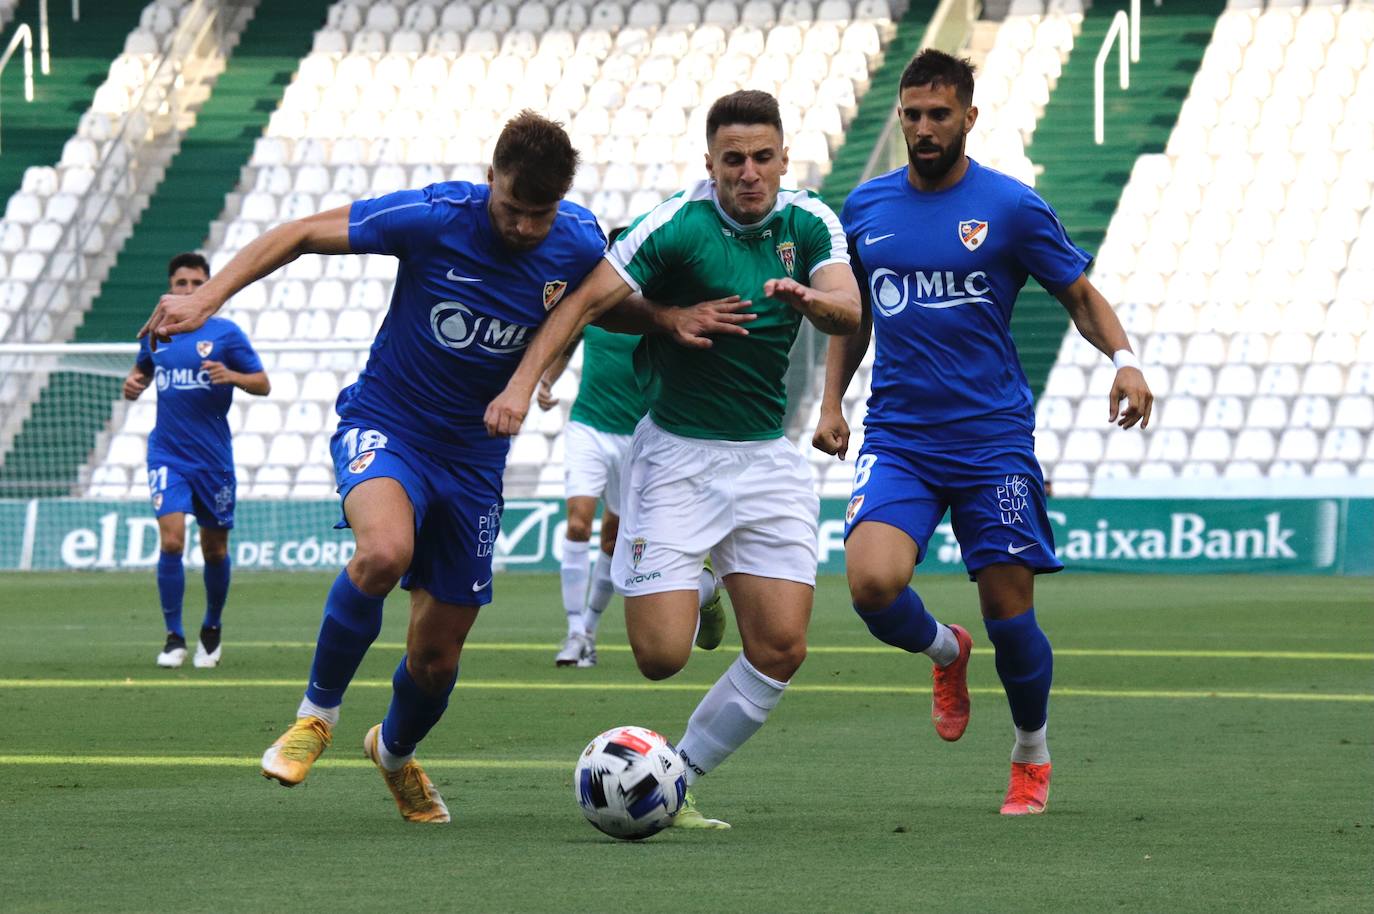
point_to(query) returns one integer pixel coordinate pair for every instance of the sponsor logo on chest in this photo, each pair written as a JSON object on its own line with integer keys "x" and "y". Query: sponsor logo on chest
{"x": 456, "y": 326}
{"x": 891, "y": 291}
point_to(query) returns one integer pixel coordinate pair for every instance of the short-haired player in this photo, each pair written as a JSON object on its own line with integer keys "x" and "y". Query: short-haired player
{"x": 480, "y": 267}
{"x": 191, "y": 457}
{"x": 710, "y": 471}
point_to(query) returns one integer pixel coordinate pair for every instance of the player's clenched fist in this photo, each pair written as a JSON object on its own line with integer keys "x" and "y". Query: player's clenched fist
{"x": 506, "y": 413}
{"x": 832, "y": 434}
{"x": 219, "y": 372}
{"x": 135, "y": 383}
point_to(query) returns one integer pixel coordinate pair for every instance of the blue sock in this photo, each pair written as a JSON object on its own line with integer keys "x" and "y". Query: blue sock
{"x": 216, "y": 592}
{"x": 171, "y": 586}
{"x": 413, "y": 712}
{"x": 1025, "y": 664}
{"x": 352, "y": 621}
{"x": 904, "y": 624}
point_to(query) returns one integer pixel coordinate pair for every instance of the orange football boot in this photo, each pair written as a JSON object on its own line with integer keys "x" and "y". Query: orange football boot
{"x": 1028, "y": 791}
{"x": 949, "y": 704}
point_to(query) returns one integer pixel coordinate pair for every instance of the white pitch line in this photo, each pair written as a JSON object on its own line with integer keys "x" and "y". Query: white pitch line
{"x": 829, "y": 689}
{"x": 1183, "y": 654}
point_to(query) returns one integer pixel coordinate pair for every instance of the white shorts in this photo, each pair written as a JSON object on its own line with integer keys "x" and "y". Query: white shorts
{"x": 592, "y": 463}
{"x": 750, "y": 505}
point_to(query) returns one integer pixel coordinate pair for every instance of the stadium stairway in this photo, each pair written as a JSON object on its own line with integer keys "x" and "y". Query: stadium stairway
{"x": 207, "y": 166}
{"x": 56, "y": 440}
{"x": 1083, "y": 182}
{"x": 848, "y": 165}
{"x": 80, "y": 56}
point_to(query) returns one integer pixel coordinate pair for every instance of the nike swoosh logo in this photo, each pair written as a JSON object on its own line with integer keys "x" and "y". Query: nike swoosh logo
{"x": 456, "y": 278}
{"x": 1017, "y": 550}
{"x": 479, "y": 585}
{"x": 872, "y": 239}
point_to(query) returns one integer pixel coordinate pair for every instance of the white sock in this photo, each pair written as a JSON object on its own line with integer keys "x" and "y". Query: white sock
{"x": 944, "y": 650}
{"x": 309, "y": 709}
{"x": 731, "y": 712}
{"x": 391, "y": 762}
{"x": 574, "y": 574}
{"x": 599, "y": 597}
{"x": 706, "y": 587}
{"x": 1031, "y": 746}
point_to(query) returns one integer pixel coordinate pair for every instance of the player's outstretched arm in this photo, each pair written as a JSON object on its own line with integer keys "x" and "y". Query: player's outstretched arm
{"x": 842, "y": 358}
{"x": 600, "y": 291}
{"x": 691, "y": 326}
{"x": 1099, "y": 325}
{"x": 831, "y": 302}
{"x": 322, "y": 233}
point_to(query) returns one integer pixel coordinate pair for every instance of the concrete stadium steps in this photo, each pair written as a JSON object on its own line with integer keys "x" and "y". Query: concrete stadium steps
{"x": 80, "y": 56}
{"x": 1082, "y": 181}
{"x": 53, "y": 444}
{"x": 877, "y": 103}
{"x": 207, "y": 166}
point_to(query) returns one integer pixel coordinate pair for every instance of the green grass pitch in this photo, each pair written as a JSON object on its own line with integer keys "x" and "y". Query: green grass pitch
{"x": 1212, "y": 746}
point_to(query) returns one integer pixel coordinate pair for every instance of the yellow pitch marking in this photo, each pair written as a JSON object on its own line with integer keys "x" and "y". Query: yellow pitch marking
{"x": 547, "y": 686}
{"x": 231, "y": 761}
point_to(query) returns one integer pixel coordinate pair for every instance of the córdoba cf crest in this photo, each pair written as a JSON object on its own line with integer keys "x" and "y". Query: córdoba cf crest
{"x": 787, "y": 253}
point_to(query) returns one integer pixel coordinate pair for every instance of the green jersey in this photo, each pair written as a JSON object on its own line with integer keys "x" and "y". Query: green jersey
{"x": 608, "y": 396}
{"x": 687, "y": 250}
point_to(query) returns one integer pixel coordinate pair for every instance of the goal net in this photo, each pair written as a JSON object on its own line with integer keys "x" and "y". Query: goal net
{"x": 73, "y": 473}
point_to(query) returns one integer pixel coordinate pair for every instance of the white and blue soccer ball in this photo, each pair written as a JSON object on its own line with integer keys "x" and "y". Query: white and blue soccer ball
{"x": 630, "y": 782}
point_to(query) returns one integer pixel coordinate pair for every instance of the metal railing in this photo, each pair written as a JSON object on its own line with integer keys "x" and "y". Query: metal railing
{"x": 1120, "y": 28}
{"x": 949, "y": 28}
{"x": 193, "y": 48}
{"x": 22, "y": 34}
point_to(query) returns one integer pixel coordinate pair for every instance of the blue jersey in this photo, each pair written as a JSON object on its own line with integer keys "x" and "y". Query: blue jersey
{"x": 192, "y": 430}
{"x": 463, "y": 311}
{"x": 942, "y": 271}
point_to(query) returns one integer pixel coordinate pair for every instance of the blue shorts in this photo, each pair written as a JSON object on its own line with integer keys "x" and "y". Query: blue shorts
{"x": 995, "y": 495}
{"x": 457, "y": 509}
{"x": 208, "y": 494}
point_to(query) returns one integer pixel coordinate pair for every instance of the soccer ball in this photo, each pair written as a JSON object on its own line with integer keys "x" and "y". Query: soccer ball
{"x": 630, "y": 783}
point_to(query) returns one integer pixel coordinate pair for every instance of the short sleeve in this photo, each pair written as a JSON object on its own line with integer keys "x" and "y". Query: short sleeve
{"x": 240, "y": 355}
{"x": 144, "y": 361}
{"x": 648, "y": 248}
{"x": 1044, "y": 249}
{"x": 821, "y": 235}
{"x": 395, "y": 224}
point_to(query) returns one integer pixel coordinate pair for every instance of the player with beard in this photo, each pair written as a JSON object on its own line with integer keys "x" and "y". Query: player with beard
{"x": 941, "y": 248}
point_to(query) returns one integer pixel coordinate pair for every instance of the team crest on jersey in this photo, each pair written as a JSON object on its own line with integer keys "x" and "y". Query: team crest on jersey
{"x": 157, "y": 502}
{"x": 203, "y": 347}
{"x": 852, "y": 511}
{"x": 553, "y": 291}
{"x": 787, "y": 253}
{"x": 973, "y": 232}
{"x": 637, "y": 550}
{"x": 361, "y": 462}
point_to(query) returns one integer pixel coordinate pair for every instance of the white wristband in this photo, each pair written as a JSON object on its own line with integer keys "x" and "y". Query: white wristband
{"x": 1125, "y": 358}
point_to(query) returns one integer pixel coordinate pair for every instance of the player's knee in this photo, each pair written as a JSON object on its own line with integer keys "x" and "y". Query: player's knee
{"x": 778, "y": 659}
{"x": 656, "y": 665}
{"x": 174, "y": 543}
{"x": 579, "y": 529}
{"x": 433, "y": 671}
{"x": 873, "y": 593}
{"x": 214, "y": 553}
{"x": 377, "y": 568}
